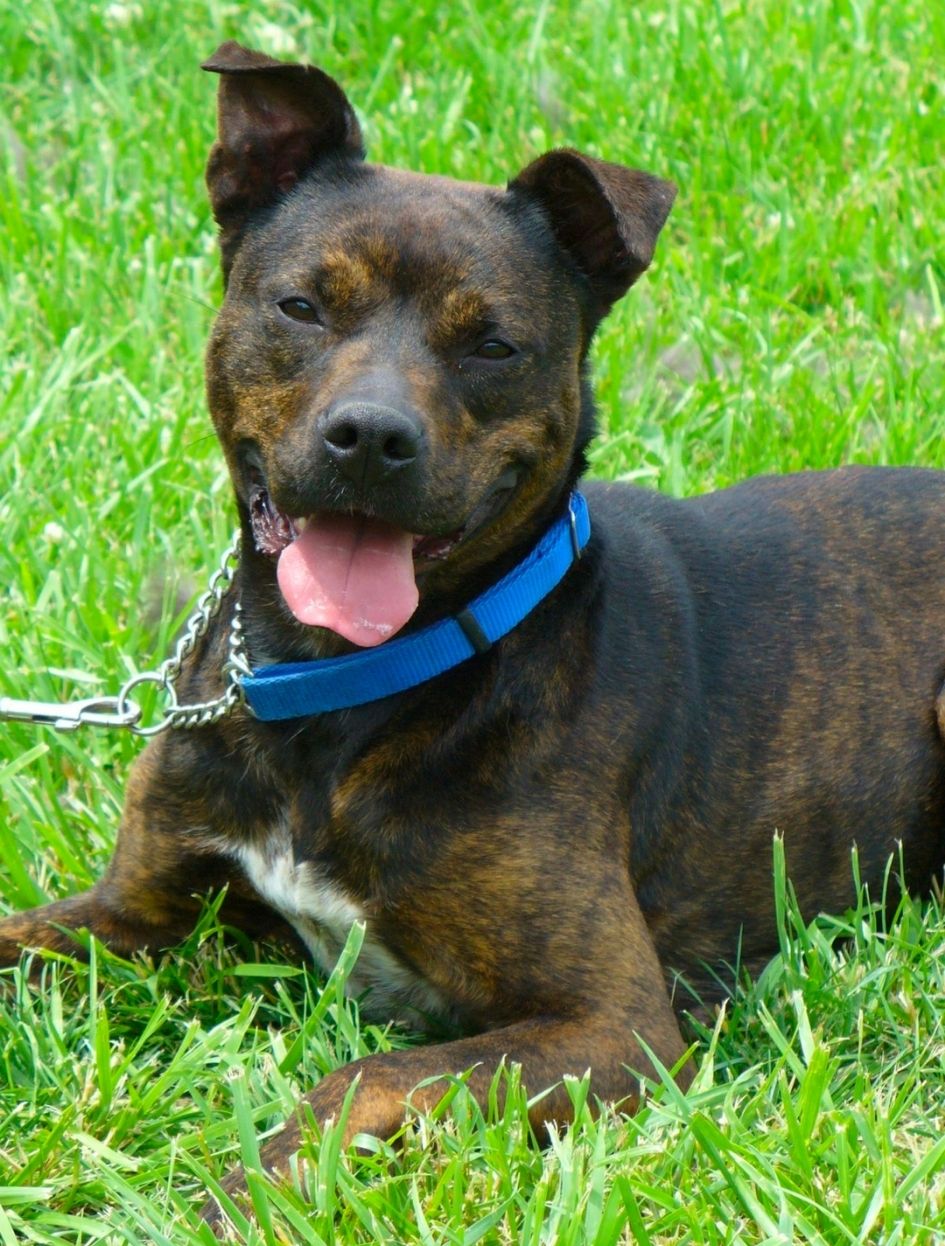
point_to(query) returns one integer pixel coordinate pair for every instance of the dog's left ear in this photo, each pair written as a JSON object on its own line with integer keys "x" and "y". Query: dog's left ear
{"x": 606, "y": 216}
{"x": 276, "y": 121}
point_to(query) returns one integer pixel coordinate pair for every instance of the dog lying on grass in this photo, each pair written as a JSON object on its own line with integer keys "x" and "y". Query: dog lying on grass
{"x": 577, "y": 807}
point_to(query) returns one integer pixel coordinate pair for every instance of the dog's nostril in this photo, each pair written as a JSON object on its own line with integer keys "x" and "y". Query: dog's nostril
{"x": 343, "y": 435}
{"x": 400, "y": 446}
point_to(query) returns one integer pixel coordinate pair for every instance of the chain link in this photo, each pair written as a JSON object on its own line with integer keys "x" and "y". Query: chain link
{"x": 199, "y": 713}
{"x": 122, "y": 711}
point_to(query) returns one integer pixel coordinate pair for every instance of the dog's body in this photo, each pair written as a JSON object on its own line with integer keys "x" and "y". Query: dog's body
{"x": 542, "y": 838}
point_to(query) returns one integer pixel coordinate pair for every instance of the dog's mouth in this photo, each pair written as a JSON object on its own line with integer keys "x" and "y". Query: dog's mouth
{"x": 355, "y": 574}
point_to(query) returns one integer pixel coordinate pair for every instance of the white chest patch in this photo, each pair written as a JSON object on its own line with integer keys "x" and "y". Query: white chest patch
{"x": 322, "y": 914}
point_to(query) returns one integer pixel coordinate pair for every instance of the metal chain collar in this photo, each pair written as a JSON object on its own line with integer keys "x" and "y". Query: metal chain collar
{"x": 122, "y": 711}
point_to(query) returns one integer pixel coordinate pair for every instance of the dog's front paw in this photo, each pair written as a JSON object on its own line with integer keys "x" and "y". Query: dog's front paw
{"x": 233, "y": 1187}
{"x": 275, "y": 1161}
{"x": 333, "y": 1103}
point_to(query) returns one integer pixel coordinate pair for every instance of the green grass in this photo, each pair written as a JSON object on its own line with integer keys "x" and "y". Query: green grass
{"x": 793, "y": 318}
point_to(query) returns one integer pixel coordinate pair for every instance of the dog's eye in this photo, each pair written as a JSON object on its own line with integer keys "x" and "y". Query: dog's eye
{"x": 299, "y": 309}
{"x": 494, "y": 349}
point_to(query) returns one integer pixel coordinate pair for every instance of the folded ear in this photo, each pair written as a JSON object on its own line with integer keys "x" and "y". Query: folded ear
{"x": 606, "y": 216}
{"x": 276, "y": 121}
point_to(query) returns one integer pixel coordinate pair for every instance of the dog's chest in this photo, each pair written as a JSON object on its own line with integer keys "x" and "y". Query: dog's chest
{"x": 322, "y": 914}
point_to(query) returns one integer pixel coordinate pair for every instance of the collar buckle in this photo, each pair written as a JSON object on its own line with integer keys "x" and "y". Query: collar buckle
{"x": 576, "y": 549}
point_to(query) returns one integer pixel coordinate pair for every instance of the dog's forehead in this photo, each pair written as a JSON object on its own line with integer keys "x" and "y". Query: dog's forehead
{"x": 431, "y": 187}
{"x": 420, "y": 225}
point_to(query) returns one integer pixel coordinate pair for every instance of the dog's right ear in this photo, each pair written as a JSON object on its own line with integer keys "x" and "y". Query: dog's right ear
{"x": 276, "y": 121}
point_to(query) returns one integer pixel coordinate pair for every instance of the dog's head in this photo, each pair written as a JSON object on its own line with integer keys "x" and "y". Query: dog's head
{"x": 397, "y": 372}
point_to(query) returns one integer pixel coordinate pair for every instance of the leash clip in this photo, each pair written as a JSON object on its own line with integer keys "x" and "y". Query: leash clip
{"x": 122, "y": 711}
{"x": 94, "y": 712}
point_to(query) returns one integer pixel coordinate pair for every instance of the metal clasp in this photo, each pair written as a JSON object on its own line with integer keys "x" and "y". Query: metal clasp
{"x": 575, "y": 539}
{"x": 121, "y": 711}
{"x": 93, "y": 712}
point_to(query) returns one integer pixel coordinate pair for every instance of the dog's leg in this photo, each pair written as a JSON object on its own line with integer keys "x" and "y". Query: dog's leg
{"x": 546, "y": 1049}
{"x": 149, "y": 897}
{"x": 626, "y": 997}
{"x": 97, "y": 910}
{"x": 145, "y": 909}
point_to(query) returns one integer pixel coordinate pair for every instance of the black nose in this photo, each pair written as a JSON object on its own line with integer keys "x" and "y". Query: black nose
{"x": 369, "y": 443}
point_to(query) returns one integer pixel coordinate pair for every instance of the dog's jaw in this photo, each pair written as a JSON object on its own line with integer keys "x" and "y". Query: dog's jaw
{"x": 356, "y": 575}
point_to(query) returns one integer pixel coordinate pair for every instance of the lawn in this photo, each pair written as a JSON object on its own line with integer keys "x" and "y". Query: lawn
{"x": 793, "y": 318}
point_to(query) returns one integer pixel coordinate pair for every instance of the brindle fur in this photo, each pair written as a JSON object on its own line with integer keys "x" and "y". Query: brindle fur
{"x": 547, "y": 835}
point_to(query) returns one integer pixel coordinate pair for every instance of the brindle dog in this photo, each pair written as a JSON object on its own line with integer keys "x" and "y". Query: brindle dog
{"x": 540, "y": 840}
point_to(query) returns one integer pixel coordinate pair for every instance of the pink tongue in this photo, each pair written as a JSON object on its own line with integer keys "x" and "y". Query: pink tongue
{"x": 352, "y": 575}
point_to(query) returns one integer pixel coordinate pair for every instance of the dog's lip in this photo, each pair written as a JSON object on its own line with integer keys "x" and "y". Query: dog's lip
{"x": 484, "y": 513}
{"x": 274, "y": 530}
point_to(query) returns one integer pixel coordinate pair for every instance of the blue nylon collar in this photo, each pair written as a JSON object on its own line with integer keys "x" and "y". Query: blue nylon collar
{"x": 298, "y": 689}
